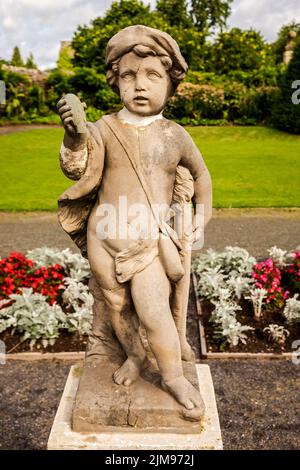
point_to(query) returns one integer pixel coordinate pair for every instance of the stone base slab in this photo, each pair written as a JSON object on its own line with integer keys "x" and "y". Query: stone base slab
{"x": 62, "y": 437}
{"x": 101, "y": 405}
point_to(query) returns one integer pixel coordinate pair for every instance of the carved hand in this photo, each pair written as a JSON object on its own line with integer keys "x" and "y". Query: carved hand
{"x": 73, "y": 120}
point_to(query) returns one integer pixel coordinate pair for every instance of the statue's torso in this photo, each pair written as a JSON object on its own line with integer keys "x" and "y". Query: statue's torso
{"x": 157, "y": 148}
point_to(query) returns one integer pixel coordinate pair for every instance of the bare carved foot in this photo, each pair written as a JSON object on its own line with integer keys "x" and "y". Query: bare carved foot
{"x": 187, "y": 354}
{"x": 128, "y": 372}
{"x": 184, "y": 392}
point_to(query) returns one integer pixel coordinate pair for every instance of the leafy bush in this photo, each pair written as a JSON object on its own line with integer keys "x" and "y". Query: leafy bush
{"x": 240, "y": 50}
{"x": 292, "y": 309}
{"x": 25, "y": 101}
{"x": 276, "y": 333}
{"x": 31, "y": 315}
{"x": 57, "y": 84}
{"x": 74, "y": 264}
{"x": 196, "y": 101}
{"x": 233, "y": 275}
{"x": 244, "y": 105}
{"x": 38, "y": 297}
{"x": 197, "y": 104}
{"x": 227, "y": 326}
{"x": 78, "y": 298}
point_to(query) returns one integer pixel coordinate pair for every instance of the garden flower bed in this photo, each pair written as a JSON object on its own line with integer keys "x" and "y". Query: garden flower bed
{"x": 246, "y": 306}
{"x": 45, "y": 301}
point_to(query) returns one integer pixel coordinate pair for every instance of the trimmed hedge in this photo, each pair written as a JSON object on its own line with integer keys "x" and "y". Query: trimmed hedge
{"x": 195, "y": 104}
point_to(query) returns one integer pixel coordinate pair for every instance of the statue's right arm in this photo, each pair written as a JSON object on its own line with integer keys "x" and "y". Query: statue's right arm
{"x": 73, "y": 161}
{"x": 76, "y": 158}
{"x": 77, "y": 148}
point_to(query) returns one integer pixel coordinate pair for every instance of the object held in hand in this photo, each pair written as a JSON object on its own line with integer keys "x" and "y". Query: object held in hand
{"x": 78, "y": 113}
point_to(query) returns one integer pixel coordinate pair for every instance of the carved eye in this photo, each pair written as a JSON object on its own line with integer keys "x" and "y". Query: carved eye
{"x": 153, "y": 75}
{"x": 127, "y": 75}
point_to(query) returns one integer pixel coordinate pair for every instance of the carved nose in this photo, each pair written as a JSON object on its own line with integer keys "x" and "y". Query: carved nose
{"x": 139, "y": 86}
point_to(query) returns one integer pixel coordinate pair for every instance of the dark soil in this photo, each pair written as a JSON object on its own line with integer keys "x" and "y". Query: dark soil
{"x": 65, "y": 342}
{"x": 257, "y": 340}
{"x": 258, "y": 402}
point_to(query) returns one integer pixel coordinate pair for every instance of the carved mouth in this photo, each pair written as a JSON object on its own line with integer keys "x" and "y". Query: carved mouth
{"x": 141, "y": 99}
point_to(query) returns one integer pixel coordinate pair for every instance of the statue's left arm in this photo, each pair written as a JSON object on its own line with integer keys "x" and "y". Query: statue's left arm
{"x": 193, "y": 161}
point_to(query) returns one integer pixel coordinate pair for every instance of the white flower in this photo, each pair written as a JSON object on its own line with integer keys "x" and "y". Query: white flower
{"x": 224, "y": 316}
{"x": 77, "y": 296}
{"x": 32, "y": 316}
{"x": 257, "y": 297}
{"x": 74, "y": 264}
{"x": 292, "y": 309}
{"x": 277, "y": 333}
{"x": 278, "y": 255}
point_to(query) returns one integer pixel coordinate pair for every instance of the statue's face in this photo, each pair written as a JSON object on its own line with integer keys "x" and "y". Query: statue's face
{"x": 144, "y": 84}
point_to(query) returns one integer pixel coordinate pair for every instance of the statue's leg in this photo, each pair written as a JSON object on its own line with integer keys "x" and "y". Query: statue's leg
{"x": 120, "y": 310}
{"x": 102, "y": 340}
{"x": 126, "y": 327}
{"x": 150, "y": 290}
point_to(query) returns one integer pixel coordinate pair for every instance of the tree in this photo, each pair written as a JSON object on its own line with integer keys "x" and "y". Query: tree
{"x": 286, "y": 110}
{"x": 66, "y": 53}
{"x": 239, "y": 50}
{"x": 210, "y": 14}
{"x": 30, "y": 64}
{"x": 16, "y": 58}
{"x": 89, "y": 42}
{"x": 174, "y": 12}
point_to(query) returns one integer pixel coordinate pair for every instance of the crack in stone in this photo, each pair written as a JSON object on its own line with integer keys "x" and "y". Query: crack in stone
{"x": 128, "y": 413}
{"x": 128, "y": 416}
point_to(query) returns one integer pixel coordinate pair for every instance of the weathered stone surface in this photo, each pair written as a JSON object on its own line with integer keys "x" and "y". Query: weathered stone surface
{"x": 62, "y": 437}
{"x": 102, "y": 405}
{"x": 142, "y": 268}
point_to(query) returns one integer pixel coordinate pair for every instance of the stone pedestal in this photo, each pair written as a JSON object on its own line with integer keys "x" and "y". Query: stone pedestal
{"x": 144, "y": 418}
{"x": 101, "y": 405}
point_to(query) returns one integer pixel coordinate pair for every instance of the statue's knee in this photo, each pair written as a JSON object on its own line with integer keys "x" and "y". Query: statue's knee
{"x": 117, "y": 299}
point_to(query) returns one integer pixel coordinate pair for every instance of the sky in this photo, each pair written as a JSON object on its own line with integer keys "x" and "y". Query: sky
{"x": 38, "y": 26}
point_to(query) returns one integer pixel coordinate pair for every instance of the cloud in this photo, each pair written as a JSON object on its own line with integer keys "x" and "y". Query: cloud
{"x": 38, "y": 26}
{"x": 266, "y": 16}
{"x": 9, "y": 23}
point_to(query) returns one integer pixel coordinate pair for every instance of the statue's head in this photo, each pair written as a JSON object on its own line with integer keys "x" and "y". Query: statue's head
{"x": 144, "y": 66}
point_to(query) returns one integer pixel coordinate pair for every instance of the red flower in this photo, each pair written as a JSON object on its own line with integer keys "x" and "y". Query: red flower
{"x": 17, "y": 271}
{"x": 279, "y": 283}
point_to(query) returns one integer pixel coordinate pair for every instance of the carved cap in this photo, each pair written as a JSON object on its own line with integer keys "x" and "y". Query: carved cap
{"x": 161, "y": 43}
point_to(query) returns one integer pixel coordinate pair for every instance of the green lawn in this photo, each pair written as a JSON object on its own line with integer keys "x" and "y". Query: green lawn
{"x": 250, "y": 167}
{"x": 30, "y": 176}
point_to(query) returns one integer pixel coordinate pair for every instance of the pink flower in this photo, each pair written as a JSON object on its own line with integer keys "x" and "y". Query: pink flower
{"x": 269, "y": 263}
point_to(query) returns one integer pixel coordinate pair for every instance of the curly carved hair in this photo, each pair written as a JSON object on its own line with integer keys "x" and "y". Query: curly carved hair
{"x": 176, "y": 73}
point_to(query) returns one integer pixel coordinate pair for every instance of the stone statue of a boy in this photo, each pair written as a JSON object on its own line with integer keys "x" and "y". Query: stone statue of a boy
{"x": 139, "y": 155}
